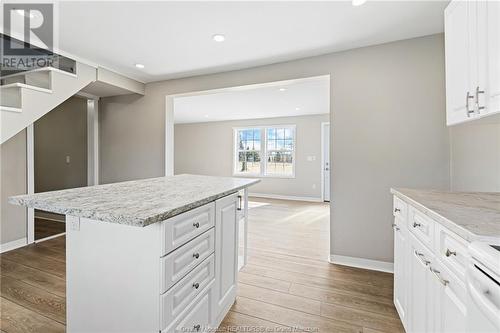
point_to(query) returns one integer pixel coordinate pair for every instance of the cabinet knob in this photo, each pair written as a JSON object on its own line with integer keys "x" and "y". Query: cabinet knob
{"x": 395, "y": 226}
{"x": 450, "y": 253}
{"x": 197, "y": 328}
{"x": 397, "y": 210}
{"x": 415, "y": 225}
{"x": 196, "y": 255}
{"x": 196, "y": 285}
{"x": 196, "y": 225}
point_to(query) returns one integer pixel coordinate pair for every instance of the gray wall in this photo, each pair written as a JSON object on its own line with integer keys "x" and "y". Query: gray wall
{"x": 61, "y": 132}
{"x": 212, "y": 142}
{"x": 13, "y": 182}
{"x": 475, "y": 156}
{"x": 388, "y": 111}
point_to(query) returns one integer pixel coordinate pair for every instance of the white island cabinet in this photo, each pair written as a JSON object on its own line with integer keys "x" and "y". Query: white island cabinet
{"x": 155, "y": 255}
{"x": 432, "y": 232}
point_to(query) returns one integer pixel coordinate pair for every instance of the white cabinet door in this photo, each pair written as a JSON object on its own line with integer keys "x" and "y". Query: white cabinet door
{"x": 492, "y": 9}
{"x": 450, "y": 299}
{"x": 420, "y": 305}
{"x": 226, "y": 256}
{"x": 460, "y": 58}
{"x": 401, "y": 258}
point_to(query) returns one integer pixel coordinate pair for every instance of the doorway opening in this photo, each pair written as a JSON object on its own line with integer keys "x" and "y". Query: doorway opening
{"x": 60, "y": 159}
{"x": 274, "y": 131}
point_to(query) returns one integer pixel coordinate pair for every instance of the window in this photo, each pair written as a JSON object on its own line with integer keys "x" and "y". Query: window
{"x": 265, "y": 151}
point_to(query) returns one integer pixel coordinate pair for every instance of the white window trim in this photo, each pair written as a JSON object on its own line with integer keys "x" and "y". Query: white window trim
{"x": 263, "y": 150}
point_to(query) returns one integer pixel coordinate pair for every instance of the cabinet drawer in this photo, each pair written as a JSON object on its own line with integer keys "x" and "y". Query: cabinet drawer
{"x": 180, "y": 262}
{"x": 177, "y": 298}
{"x": 400, "y": 209}
{"x": 180, "y": 229}
{"x": 422, "y": 227}
{"x": 195, "y": 319}
{"x": 452, "y": 251}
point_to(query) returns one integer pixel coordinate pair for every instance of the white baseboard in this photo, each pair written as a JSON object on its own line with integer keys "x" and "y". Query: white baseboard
{"x": 375, "y": 265}
{"x": 284, "y": 197}
{"x": 13, "y": 245}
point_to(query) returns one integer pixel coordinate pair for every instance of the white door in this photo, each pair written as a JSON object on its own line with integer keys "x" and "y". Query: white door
{"x": 460, "y": 56}
{"x": 226, "y": 255}
{"x": 325, "y": 132}
{"x": 400, "y": 269}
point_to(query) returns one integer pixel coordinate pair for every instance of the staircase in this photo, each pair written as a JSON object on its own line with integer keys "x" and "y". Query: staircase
{"x": 27, "y": 96}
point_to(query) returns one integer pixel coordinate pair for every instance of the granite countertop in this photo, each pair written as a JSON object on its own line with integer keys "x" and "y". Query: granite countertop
{"x": 471, "y": 215}
{"x": 137, "y": 203}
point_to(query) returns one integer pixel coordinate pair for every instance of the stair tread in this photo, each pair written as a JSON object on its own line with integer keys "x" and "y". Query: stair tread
{"x": 43, "y": 69}
{"x": 23, "y": 85}
{"x": 10, "y": 109}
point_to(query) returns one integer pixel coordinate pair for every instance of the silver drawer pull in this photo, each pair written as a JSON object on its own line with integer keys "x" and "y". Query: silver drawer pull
{"x": 438, "y": 275}
{"x": 397, "y": 210}
{"x": 421, "y": 257}
{"x": 395, "y": 226}
{"x": 478, "y": 107}
{"x": 415, "y": 225}
{"x": 467, "y": 110}
{"x": 196, "y": 285}
{"x": 197, "y": 328}
{"x": 449, "y": 253}
{"x": 196, "y": 224}
{"x": 196, "y": 255}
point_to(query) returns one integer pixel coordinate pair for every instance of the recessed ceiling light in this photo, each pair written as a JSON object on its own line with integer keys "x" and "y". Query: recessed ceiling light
{"x": 141, "y": 66}
{"x": 206, "y": 116}
{"x": 358, "y": 2}
{"x": 297, "y": 109}
{"x": 282, "y": 89}
{"x": 219, "y": 38}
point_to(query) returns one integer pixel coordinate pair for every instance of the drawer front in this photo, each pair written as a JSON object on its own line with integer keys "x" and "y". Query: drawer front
{"x": 422, "y": 227}
{"x": 182, "y": 228}
{"x": 452, "y": 251}
{"x": 400, "y": 209}
{"x": 195, "y": 319}
{"x": 177, "y": 298}
{"x": 179, "y": 263}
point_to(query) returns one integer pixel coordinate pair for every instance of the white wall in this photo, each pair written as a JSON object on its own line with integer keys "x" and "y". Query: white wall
{"x": 475, "y": 156}
{"x": 388, "y": 108}
{"x": 13, "y": 182}
{"x": 207, "y": 149}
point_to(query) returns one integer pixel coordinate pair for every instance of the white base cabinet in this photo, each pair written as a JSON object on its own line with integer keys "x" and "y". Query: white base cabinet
{"x": 179, "y": 275}
{"x": 429, "y": 280}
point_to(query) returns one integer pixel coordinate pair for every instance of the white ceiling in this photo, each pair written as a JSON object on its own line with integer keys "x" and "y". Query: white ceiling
{"x": 173, "y": 39}
{"x": 301, "y": 97}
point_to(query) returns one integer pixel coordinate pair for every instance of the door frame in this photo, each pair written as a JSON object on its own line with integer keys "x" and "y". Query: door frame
{"x": 92, "y": 160}
{"x": 323, "y": 146}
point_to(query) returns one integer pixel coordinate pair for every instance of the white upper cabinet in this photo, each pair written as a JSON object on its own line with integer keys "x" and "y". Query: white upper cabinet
{"x": 472, "y": 60}
{"x": 491, "y": 10}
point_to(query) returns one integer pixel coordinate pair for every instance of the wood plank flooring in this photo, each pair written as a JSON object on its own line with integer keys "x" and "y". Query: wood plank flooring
{"x": 46, "y": 228}
{"x": 287, "y": 286}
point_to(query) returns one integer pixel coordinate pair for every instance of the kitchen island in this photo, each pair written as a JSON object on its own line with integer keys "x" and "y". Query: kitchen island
{"x": 150, "y": 255}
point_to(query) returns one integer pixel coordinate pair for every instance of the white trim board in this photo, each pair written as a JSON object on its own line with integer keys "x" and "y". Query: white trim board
{"x": 284, "y": 197}
{"x": 9, "y": 246}
{"x": 375, "y": 265}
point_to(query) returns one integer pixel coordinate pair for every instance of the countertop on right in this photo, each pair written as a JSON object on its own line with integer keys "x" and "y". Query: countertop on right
{"x": 471, "y": 215}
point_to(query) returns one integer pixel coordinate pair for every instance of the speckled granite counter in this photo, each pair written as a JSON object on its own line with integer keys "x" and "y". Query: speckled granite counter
{"x": 137, "y": 203}
{"x": 471, "y": 215}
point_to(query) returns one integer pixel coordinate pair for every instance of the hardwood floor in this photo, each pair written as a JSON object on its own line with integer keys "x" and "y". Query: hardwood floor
{"x": 46, "y": 228}
{"x": 287, "y": 286}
